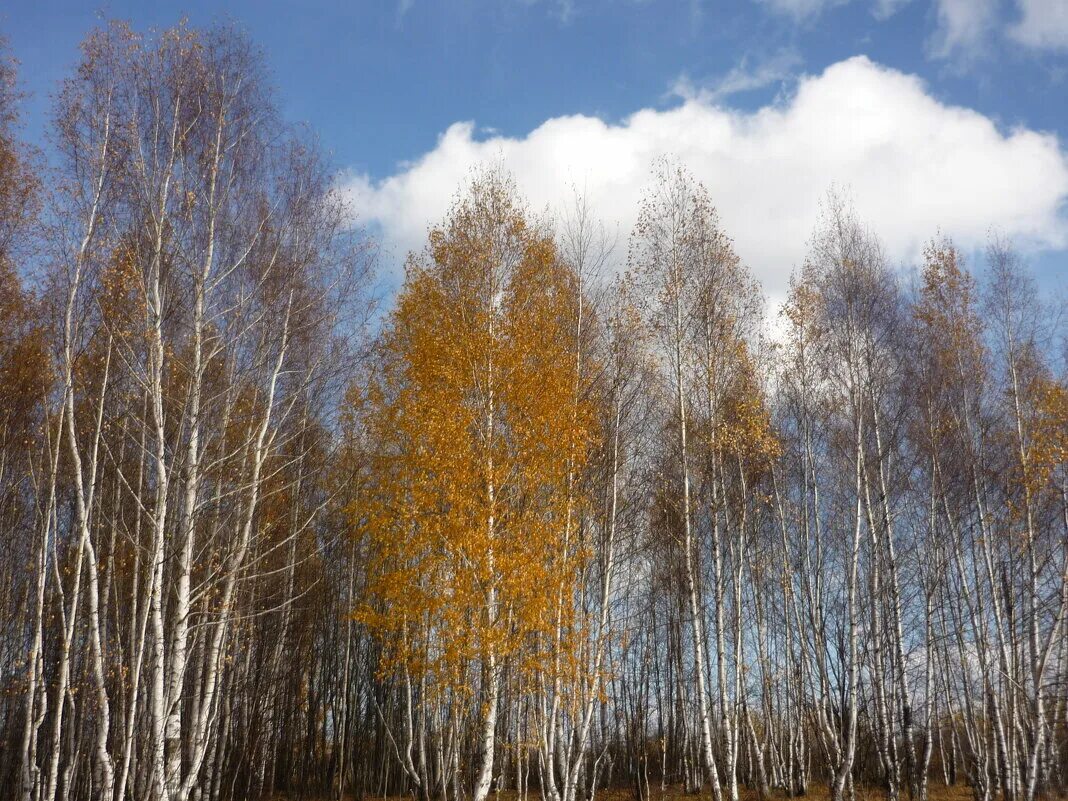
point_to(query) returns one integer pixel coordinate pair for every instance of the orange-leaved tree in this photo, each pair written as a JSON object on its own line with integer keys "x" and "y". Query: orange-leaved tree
{"x": 479, "y": 429}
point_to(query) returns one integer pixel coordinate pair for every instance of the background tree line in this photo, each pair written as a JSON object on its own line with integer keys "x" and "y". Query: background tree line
{"x": 547, "y": 527}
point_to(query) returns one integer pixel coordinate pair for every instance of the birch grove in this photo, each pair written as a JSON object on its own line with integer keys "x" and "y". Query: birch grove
{"x": 572, "y": 513}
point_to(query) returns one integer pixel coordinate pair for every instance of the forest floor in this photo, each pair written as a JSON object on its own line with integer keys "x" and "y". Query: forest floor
{"x": 816, "y": 792}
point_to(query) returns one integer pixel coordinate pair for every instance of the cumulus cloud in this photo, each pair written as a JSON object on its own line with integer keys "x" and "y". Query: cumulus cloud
{"x": 1042, "y": 24}
{"x": 912, "y": 164}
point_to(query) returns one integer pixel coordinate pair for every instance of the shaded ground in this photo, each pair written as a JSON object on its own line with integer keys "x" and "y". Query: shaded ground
{"x": 817, "y": 792}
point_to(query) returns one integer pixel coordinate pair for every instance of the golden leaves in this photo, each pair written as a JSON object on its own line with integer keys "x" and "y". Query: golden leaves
{"x": 478, "y": 429}
{"x": 1047, "y": 449}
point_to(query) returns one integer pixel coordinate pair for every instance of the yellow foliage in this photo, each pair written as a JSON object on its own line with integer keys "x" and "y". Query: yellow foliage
{"x": 480, "y": 429}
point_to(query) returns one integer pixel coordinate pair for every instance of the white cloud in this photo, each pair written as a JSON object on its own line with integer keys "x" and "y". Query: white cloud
{"x": 1042, "y": 23}
{"x": 964, "y": 26}
{"x": 912, "y": 163}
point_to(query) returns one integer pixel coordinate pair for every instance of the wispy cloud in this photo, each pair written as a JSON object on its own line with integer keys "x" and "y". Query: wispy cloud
{"x": 801, "y": 10}
{"x": 751, "y": 74}
{"x": 403, "y": 7}
{"x": 964, "y": 28}
{"x": 884, "y": 9}
{"x": 1042, "y": 24}
{"x": 562, "y": 10}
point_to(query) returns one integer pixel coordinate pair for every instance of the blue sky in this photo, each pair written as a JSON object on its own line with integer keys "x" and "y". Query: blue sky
{"x": 386, "y": 84}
